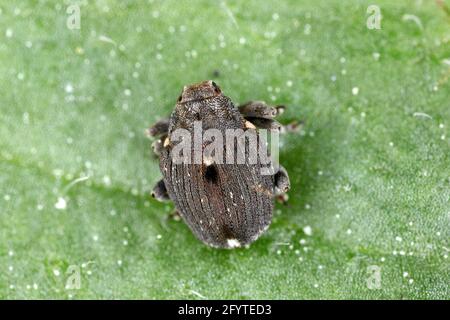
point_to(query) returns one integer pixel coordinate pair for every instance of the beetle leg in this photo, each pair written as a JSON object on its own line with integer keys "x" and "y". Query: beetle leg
{"x": 159, "y": 128}
{"x": 259, "y": 109}
{"x": 263, "y": 123}
{"x": 160, "y": 192}
{"x": 294, "y": 126}
{"x": 175, "y": 215}
{"x": 282, "y": 185}
{"x": 261, "y": 115}
{"x": 158, "y": 145}
{"x": 272, "y": 124}
{"x": 282, "y": 198}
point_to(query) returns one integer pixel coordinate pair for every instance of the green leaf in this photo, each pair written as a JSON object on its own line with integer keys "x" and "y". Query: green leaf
{"x": 370, "y": 170}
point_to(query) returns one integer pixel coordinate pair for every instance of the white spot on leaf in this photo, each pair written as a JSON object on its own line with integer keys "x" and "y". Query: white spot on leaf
{"x": 61, "y": 204}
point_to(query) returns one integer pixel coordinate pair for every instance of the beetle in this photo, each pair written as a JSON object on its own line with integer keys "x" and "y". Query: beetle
{"x": 226, "y": 205}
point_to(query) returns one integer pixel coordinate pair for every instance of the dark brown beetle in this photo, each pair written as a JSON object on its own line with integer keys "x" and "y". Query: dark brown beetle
{"x": 226, "y": 205}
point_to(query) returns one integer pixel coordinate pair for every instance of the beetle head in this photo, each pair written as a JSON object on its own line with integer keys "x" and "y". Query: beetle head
{"x": 199, "y": 91}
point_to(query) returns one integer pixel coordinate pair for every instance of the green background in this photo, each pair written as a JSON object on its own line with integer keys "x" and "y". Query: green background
{"x": 370, "y": 170}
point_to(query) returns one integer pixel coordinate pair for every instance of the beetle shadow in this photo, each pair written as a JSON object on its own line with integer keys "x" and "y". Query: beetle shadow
{"x": 308, "y": 157}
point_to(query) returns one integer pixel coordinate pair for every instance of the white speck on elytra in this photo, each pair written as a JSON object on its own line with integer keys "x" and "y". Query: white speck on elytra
{"x": 233, "y": 243}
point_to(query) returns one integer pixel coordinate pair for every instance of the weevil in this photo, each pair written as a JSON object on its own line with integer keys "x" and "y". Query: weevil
{"x": 225, "y": 204}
